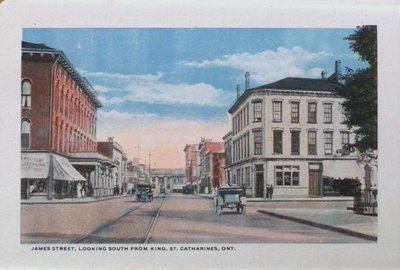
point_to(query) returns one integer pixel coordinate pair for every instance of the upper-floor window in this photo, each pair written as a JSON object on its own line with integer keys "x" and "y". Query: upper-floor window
{"x": 26, "y": 94}
{"x": 25, "y": 134}
{"x": 327, "y": 112}
{"x": 312, "y": 112}
{"x": 345, "y": 139}
{"x": 344, "y": 113}
{"x": 277, "y": 111}
{"x": 258, "y": 142}
{"x": 295, "y": 112}
{"x": 257, "y": 111}
{"x": 312, "y": 142}
{"x": 295, "y": 142}
{"x": 328, "y": 142}
{"x": 277, "y": 141}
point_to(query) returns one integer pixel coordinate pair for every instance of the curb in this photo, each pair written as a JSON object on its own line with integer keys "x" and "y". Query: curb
{"x": 77, "y": 201}
{"x": 323, "y": 226}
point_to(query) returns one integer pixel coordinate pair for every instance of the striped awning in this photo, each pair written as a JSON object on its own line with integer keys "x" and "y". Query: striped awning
{"x": 37, "y": 166}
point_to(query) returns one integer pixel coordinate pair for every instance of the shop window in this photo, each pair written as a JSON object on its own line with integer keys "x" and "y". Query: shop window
{"x": 287, "y": 175}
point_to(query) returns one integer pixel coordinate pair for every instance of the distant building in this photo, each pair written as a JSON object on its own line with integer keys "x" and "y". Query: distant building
{"x": 58, "y": 127}
{"x": 191, "y": 163}
{"x": 115, "y": 152}
{"x": 289, "y": 134}
{"x": 211, "y": 163}
{"x": 168, "y": 180}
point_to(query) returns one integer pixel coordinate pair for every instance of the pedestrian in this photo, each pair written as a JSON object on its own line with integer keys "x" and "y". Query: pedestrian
{"x": 271, "y": 191}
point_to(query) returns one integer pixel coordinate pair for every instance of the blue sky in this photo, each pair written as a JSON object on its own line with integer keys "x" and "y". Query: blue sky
{"x": 188, "y": 75}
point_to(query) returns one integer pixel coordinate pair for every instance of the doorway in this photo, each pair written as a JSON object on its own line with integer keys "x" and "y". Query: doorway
{"x": 315, "y": 179}
{"x": 259, "y": 181}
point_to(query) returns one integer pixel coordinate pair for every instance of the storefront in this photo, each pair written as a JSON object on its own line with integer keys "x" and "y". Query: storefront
{"x": 49, "y": 175}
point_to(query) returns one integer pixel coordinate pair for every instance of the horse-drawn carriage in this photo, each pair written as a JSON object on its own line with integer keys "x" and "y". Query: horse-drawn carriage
{"x": 232, "y": 198}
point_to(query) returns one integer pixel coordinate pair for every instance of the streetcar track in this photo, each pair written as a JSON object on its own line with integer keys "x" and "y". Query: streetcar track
{"x": 114, "y": 220}
{"x": 152, "y": 224}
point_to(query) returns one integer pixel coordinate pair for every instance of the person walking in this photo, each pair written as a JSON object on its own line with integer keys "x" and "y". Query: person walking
{"x": 271, "y": 191}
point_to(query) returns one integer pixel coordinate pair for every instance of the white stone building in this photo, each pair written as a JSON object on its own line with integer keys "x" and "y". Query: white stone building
{"x": 289, "y": 134}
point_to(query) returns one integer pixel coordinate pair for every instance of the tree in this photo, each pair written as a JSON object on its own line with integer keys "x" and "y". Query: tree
{"x": 361, "y": 91}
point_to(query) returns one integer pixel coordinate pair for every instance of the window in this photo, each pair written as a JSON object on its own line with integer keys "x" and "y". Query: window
{"x": 277, "y": 142}
{"x": 345, "y": 139}
{"x": 257, "y": 111}
{"x": 344, "y": 114}
{"x": 312, "y": 112}
{"x": 312, "y": 142}
{"x": 287, "y": 175}
{"x": 295, "y": 112}
{"x": 327, "y": 113}
{"x": 295, "y": 142}
{"x": 26, "y": 94}
{"x": 328, "y": 144}
{"x": 277, "y": 111}
{"x": 25, "y": 133}
{"x": 258, "y": 142}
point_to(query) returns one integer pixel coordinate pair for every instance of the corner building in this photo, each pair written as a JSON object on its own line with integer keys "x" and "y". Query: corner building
{"x": 289, "y": 134}
{"x": 58, "y": 128}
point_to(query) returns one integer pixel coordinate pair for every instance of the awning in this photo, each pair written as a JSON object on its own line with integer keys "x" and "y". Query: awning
{"x": 36, "y": 166}
{"x": 343, "y": 169}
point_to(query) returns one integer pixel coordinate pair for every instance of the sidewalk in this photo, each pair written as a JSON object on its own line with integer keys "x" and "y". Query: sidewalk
{"x": 329, "y": 213}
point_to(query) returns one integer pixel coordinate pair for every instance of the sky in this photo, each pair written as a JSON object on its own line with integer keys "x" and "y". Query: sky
{"x": 163, "y": 88}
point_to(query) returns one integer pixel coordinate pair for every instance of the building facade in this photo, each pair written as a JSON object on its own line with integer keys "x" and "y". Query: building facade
{"x": 58, "y": 125}
{"x": 211, "y": 163}
{"x": 191, "y": 157}
{"x": 115, "y": 152}
{"x": 168, "y": 180}
{"x": 289, "y": 134}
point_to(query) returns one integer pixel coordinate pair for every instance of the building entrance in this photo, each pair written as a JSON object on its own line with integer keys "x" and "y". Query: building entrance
{"x": 315, "y": 179}
{"x": 259, "y": 181}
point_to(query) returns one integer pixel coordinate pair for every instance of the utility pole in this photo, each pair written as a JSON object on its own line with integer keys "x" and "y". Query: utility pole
{"x": 138, "y": 148}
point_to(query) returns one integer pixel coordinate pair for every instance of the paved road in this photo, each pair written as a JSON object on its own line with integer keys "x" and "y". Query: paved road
{"x": 190, "y": 219}
{"x": 182, "y": 219}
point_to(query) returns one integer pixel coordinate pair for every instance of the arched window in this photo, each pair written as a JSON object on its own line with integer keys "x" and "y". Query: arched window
{"x": 25, "y": 133}
{"x": 26, "y": 94}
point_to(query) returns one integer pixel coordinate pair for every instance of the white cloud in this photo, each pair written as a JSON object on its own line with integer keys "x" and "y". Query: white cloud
{"x": 137, "y": 78}
{"x": 116, "y": 115}
{"x": 163, "y": 93}
{"x": 267, "y": 65}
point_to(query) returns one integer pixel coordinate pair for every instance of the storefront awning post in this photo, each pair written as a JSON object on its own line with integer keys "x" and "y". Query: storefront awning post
{"x": 50, "y": 179}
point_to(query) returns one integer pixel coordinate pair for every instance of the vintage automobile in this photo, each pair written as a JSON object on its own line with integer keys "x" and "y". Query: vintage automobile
{"x": 232, "y": 198}
{"x": 144, "y": 193}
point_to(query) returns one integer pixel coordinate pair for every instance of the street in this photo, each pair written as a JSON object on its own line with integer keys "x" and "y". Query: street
{"x": 182, "y": 219}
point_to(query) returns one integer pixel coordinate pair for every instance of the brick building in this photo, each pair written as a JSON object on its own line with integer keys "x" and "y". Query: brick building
{"x": 211, "y": 165}
{"x": 58, "y": 126}
{"x": 191, "y": 162}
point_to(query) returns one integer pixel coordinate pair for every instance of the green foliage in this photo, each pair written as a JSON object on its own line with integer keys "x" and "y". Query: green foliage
{"x": 361, "y": 90}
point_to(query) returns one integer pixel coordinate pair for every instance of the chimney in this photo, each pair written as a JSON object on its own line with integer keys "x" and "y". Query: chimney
{"x": 323, "y": 74}
{"x": 338, "y": 70}
{"x": 247, "y": 76}
{"x": 237, "y": 91}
